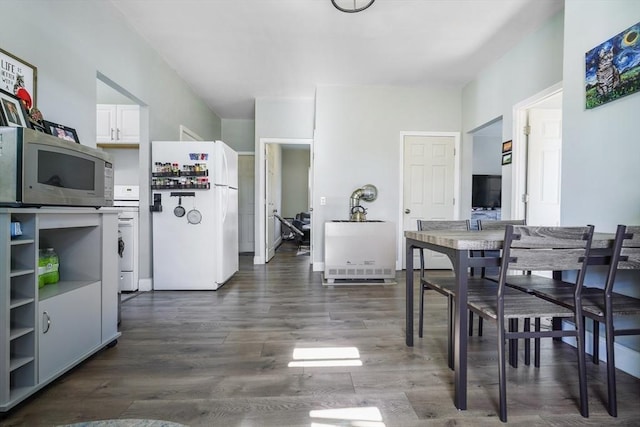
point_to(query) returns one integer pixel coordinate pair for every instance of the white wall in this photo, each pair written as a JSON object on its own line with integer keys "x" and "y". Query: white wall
{"x": 357, "y": 142}
{"x": 70, "y": 42}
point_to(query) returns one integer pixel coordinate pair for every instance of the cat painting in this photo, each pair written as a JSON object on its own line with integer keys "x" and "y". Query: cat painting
{"x": 607, "y": 75}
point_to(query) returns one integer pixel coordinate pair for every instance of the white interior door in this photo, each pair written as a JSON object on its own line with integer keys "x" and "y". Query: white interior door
{"x": 271, "y": 206}
{"x": 246, "y": 203}
{"x": 429, "y": 186}
{"x": 544, "y": 167}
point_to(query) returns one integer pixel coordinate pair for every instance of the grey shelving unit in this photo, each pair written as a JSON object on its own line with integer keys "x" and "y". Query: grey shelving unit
{"x": 46, "y": 331}
{"x": 18, "y": 284}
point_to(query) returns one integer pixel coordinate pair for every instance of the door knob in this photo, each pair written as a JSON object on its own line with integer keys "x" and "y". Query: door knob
{"x": 407, "y": 211}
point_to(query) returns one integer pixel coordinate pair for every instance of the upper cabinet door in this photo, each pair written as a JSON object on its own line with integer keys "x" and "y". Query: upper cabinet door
{"x": 117, "y": 124}
{"x": 128, "y": 120}
{"x": 106, "y": 123}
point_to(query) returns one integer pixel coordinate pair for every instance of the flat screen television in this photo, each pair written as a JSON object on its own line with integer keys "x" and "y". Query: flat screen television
{"x": 486, "y": 191}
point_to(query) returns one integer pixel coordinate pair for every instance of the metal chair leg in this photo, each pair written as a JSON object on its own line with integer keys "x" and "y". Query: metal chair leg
{"x": 582, "y": 368}
{"x": 450, "y": 331}
{"x": 595, "y": 357}
{"x": 536, "y": 344}
{"x": 421, "y": 320}
{"x": 527, "y": 343}
{"x": 513, "y": 344}
{"x": 612, "y": 404}
{"x": 502, "y": 379}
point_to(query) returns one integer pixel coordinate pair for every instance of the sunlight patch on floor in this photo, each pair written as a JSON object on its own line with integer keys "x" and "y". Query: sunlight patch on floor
{"x": 325, "y": 356}
{"x": 354, "y": 417}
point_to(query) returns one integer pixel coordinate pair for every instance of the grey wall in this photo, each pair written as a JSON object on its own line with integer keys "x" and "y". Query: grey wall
{"x": 532, "y": 66}
{"x": 357, "y": 142}
{"x": 283, "y": 118}
{"x": 239, "y": 134}
{"x": 487, "y": 155}
{"x": 95, "y": 39}
{"x": 600, "y": 149}
{"x": 295, "y": 181}
{"x": 600, "y": 146}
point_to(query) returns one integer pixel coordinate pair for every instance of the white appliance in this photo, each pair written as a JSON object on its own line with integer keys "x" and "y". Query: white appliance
{"x": 359, "y": 250}
{"x": 127, "y": 203}
{"x": 194, "y": 187}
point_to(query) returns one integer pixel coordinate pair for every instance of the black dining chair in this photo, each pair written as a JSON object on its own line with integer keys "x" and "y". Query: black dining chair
{"x": 536, "y": 249}
{"x": 604, "y": 305}
{"x": 489, "y": 224}
{"x": 444, "y": 285}
{"x": 486, "y": 224}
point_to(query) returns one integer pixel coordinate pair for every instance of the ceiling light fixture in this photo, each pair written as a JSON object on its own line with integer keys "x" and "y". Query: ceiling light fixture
{"x": 351, "y": 6}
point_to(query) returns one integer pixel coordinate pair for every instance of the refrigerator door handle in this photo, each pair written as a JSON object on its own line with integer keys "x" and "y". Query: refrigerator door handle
{"x": 225, "y": 203}
{"x": 225, "y": 170}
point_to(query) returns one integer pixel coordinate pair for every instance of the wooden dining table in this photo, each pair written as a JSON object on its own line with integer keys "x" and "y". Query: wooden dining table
{"x": 457, "y": 245}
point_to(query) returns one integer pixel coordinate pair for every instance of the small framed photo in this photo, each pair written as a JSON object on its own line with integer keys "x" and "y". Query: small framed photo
{"x": 37, "y": 126}
{"x": 61, "y": 131}
{"x": 506, "y": 146}
{"x": 12, "y": 112}
{"x": 506, "y": 159}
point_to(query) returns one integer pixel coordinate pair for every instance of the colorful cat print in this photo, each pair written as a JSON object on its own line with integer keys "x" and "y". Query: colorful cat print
{"x": 607, "y": 75}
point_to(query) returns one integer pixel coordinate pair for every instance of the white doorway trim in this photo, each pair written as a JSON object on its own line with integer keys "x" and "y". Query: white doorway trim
{"x": 519, "y": 147}
{"x": 261, "y": 174}
{"x": 456, "y": 185}
{"x": 187, "y": 134}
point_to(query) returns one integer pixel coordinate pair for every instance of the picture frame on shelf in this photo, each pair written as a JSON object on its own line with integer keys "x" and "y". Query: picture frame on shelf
{"x": 506, "y": 159}
{"x": 12, "y": 111}
{"x": 507, "y": 146}
{"x": 61, "y": 131}
{"x": 19, "y": 78}
{"x": 37, "y": 126}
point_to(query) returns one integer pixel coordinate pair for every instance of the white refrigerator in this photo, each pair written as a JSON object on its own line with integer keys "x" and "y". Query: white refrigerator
{"x": 194, "y": 193}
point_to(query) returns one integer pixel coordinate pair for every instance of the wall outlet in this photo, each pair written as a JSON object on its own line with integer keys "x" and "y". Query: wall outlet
{"x": 323, "y": 201}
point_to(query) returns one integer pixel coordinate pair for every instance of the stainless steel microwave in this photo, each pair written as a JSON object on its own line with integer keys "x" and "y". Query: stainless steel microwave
{"x": 37, "y": 169}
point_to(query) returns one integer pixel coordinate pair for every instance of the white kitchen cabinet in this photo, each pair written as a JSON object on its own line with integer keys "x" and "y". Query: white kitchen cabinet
{"x": 46, "y": 331}
{"x": 117, "y": 124}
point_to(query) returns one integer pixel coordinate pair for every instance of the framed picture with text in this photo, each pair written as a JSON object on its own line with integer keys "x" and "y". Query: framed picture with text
{"x": 19, "y": 78}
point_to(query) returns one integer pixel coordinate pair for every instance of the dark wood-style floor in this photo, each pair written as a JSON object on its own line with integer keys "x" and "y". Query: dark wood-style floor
{"x": 221, "y": 359}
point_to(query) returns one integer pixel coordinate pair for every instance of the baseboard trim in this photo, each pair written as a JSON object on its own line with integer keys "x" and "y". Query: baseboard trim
{"x": 145, "y": 285}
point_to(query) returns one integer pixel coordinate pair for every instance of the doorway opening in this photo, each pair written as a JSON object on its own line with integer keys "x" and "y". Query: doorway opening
{"x": 131, "y": 162}
{"x": 490, "y": 183}
{"x": 284, "y": 168}
{"x": 537, "y": 161}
